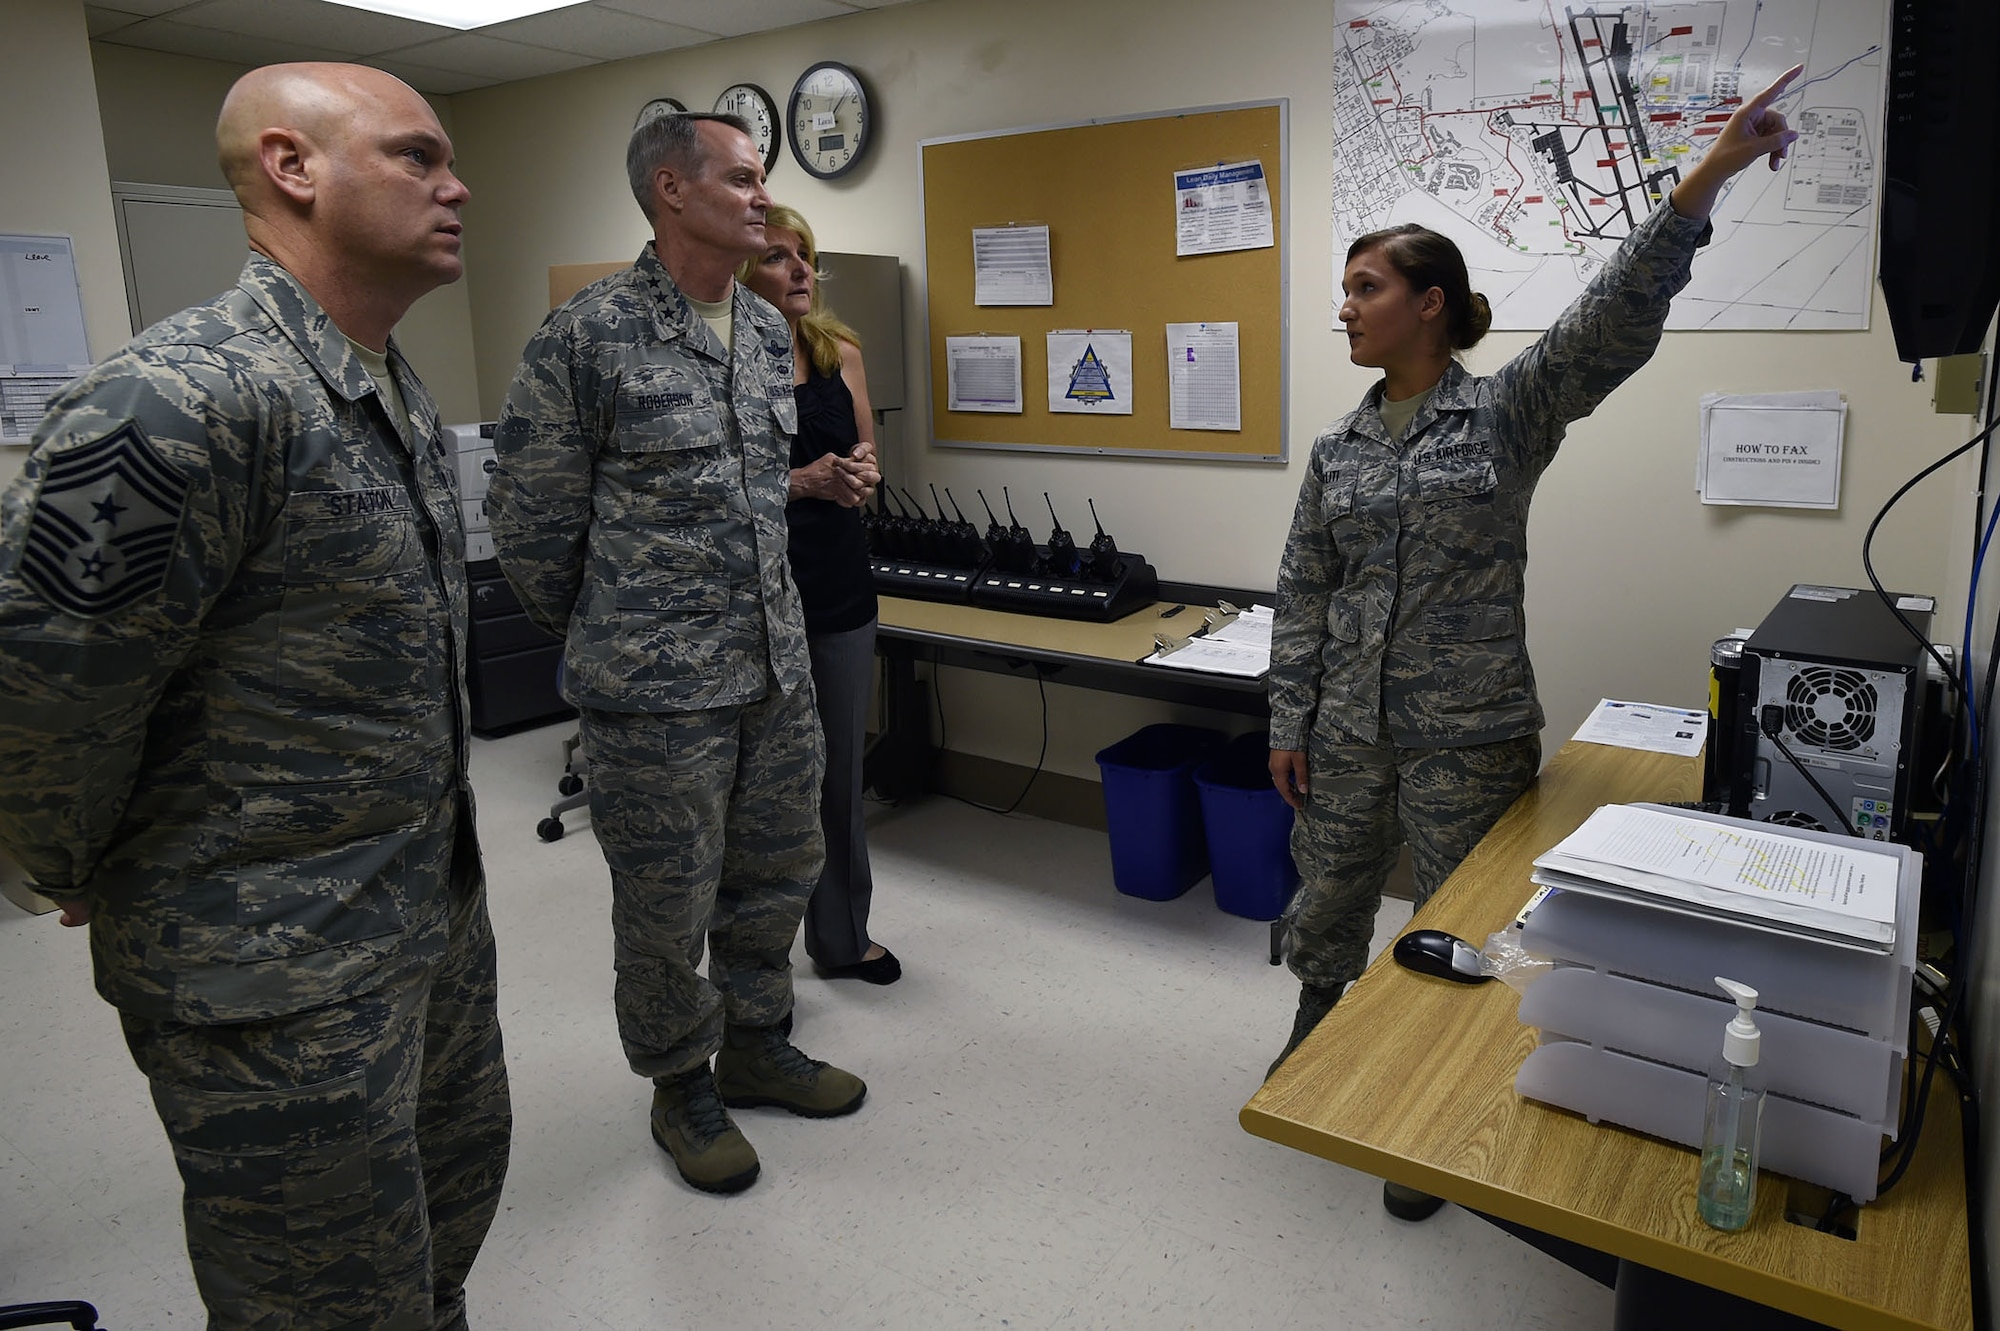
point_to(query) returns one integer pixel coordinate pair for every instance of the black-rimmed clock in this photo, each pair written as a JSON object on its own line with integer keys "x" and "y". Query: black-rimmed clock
{"x": 757, "y": 110}
{"x": 828, "y": 120}
{"x": 659, "y": 106}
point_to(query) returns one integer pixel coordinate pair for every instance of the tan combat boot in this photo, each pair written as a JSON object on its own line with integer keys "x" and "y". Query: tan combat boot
{"x": 691, "y": 1125}
{"x": 758, "y": 1066}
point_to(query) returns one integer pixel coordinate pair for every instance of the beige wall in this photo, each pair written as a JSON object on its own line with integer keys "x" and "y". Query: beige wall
{"x": 158, "y": 113}
{"x": 1632, "y": 577}
{"x": 54, "y": 177}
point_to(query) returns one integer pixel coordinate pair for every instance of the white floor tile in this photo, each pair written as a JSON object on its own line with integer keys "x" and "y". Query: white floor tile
{"x": 1162, "y": 1278}
{"x": 1050, "y": 1137}
{"x": 888, "y": 1302}
{"x": 1010, "y": 1248}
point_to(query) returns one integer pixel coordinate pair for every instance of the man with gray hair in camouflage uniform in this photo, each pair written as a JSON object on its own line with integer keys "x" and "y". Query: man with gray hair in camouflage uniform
{"x": 233, "y": 728}
{"x": 638, "y": 507}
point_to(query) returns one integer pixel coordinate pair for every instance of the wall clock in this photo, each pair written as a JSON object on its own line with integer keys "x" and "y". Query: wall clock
{"x": 757, "y": 109}
{"x": 659, "y": 106}
{"x": 828, "y": 120}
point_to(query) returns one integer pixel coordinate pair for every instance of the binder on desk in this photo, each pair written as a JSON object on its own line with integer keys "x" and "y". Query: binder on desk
{"x": 1831, "y": 889}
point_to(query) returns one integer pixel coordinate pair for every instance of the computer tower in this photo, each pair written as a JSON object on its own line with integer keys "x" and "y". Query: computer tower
{"x": 1845, "y": 681}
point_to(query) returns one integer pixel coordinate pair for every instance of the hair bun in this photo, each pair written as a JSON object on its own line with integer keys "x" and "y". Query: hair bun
{"x": 1480, "y": 322}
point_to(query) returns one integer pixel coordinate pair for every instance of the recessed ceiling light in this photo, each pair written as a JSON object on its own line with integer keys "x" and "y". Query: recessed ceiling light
{"x": 462, "y": 14}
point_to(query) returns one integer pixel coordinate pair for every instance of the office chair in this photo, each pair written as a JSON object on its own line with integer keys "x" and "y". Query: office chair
{"x": 571, "y": 787}
{"x": 576, "y": 770}
{"x": 77, "y": 1314}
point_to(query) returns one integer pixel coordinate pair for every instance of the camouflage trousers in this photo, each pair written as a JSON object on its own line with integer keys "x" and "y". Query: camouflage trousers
{"x": 341, "y": 1166}
{"x": 1366, "y": 801}
{"x": 709, "y": 821}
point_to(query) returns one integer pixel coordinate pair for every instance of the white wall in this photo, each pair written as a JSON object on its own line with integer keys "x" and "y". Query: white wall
{"x": 52, "y": 163}
{"x": 1632, "y": 578}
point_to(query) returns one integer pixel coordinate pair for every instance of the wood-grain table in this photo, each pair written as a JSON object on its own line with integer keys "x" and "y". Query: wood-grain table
{"x": 1411, "y": 1078}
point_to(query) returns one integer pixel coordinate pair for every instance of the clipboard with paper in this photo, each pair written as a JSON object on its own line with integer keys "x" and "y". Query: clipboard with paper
{"x": 1229, "y": 642}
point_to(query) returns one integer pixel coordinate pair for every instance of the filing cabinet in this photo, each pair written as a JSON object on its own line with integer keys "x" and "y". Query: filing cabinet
{"x": 510, "y": 661}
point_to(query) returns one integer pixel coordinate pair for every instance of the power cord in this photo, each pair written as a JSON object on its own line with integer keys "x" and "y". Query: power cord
{"x": 1868, "y": 564}
{"x": 1772, "y": 719}
{"x": 1041, "y": 689}
{"x": 1954, "y": 810}
{"x": 1941, "y": 1046}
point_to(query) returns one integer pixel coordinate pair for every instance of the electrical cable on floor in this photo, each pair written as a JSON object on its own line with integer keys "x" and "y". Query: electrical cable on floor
{"x": 1041, "y": 688}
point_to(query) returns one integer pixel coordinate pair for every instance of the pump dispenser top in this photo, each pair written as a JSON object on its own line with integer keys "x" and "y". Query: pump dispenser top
{"x": 1726, "y": 1194}
{"x": 1740, "y": 1038}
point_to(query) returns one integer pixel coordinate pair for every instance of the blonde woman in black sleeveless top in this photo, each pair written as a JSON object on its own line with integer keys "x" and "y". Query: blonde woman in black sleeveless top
{"x": 833, "y": 474}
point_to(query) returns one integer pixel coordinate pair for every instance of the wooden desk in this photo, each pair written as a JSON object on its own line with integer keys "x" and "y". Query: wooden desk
{"x": 1412, "y": 1079}
{"x": 1069, "y": 651}
{"x": 1060, "y": 651}
{"x": 1124, "y": 640}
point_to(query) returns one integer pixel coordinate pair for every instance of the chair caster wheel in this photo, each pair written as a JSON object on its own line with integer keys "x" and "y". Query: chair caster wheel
{"x": 549, "y": 829}
{"x": 570, "y": 784}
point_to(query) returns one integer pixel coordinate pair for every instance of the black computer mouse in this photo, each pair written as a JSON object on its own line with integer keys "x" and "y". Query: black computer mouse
{"x": 1435, "y": 952}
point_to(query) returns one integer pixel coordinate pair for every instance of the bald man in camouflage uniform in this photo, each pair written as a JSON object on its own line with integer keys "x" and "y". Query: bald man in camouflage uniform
{"x": 638, "y": 507}
{"x": 233, "y": 728}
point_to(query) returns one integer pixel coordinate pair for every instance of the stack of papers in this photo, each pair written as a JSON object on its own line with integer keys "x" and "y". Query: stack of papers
{"x": 1750, "y": 873}
{"x": 1241, "y": 647}
{"x": 1648, "y": 726}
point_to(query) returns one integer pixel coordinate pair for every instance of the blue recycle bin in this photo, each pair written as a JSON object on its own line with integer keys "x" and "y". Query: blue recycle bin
{"x": 1158, "y": 849}
{"x": 1249, "y": 829}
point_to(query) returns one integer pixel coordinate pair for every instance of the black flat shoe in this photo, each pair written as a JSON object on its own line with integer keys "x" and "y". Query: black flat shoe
{"x": 884, "y": 969}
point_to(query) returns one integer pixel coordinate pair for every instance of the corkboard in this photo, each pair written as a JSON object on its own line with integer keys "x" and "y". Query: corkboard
{"x": 1105, "y": 189}
{"x": 566, "y": 279}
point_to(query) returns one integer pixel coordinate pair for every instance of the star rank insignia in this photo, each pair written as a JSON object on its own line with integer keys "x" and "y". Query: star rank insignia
{"x": 102, "y": 531}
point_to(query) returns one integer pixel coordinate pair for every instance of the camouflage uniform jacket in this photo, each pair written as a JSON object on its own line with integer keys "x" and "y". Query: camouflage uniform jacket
{"x": 1399, "y": 596}
{"x": 638, "y": 505}
{"x": 232, "y": 626}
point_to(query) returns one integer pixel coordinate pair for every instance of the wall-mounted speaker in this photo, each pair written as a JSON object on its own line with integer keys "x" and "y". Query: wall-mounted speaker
{"x": 1941, "y": 162}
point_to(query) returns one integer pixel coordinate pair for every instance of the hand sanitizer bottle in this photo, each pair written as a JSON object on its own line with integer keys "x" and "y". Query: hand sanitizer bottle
{"x": 1728, "y": 1190}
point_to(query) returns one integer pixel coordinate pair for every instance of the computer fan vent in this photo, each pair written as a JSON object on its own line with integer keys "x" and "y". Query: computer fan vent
{"x": 1831, "y": 708}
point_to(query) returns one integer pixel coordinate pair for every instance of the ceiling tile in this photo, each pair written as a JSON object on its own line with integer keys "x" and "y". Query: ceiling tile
{"x": 593, "y": 30}
{"x": 147, "y": 8}
{"x": 433, "y": 82}
{"x": 472, "y": 53}
{"x": 100, "y": 20}
{"x": 731, "y": 18}
{"x": 440, "y": 60}
{"x": 184, "y": 39}
{"x": 314, "y": 23}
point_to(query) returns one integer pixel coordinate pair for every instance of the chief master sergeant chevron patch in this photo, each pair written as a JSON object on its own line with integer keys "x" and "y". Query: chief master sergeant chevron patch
{"x": 104, "y": 524}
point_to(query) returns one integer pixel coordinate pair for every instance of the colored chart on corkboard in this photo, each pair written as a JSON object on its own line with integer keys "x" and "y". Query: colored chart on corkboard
{"x": 1106, "y": 191}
